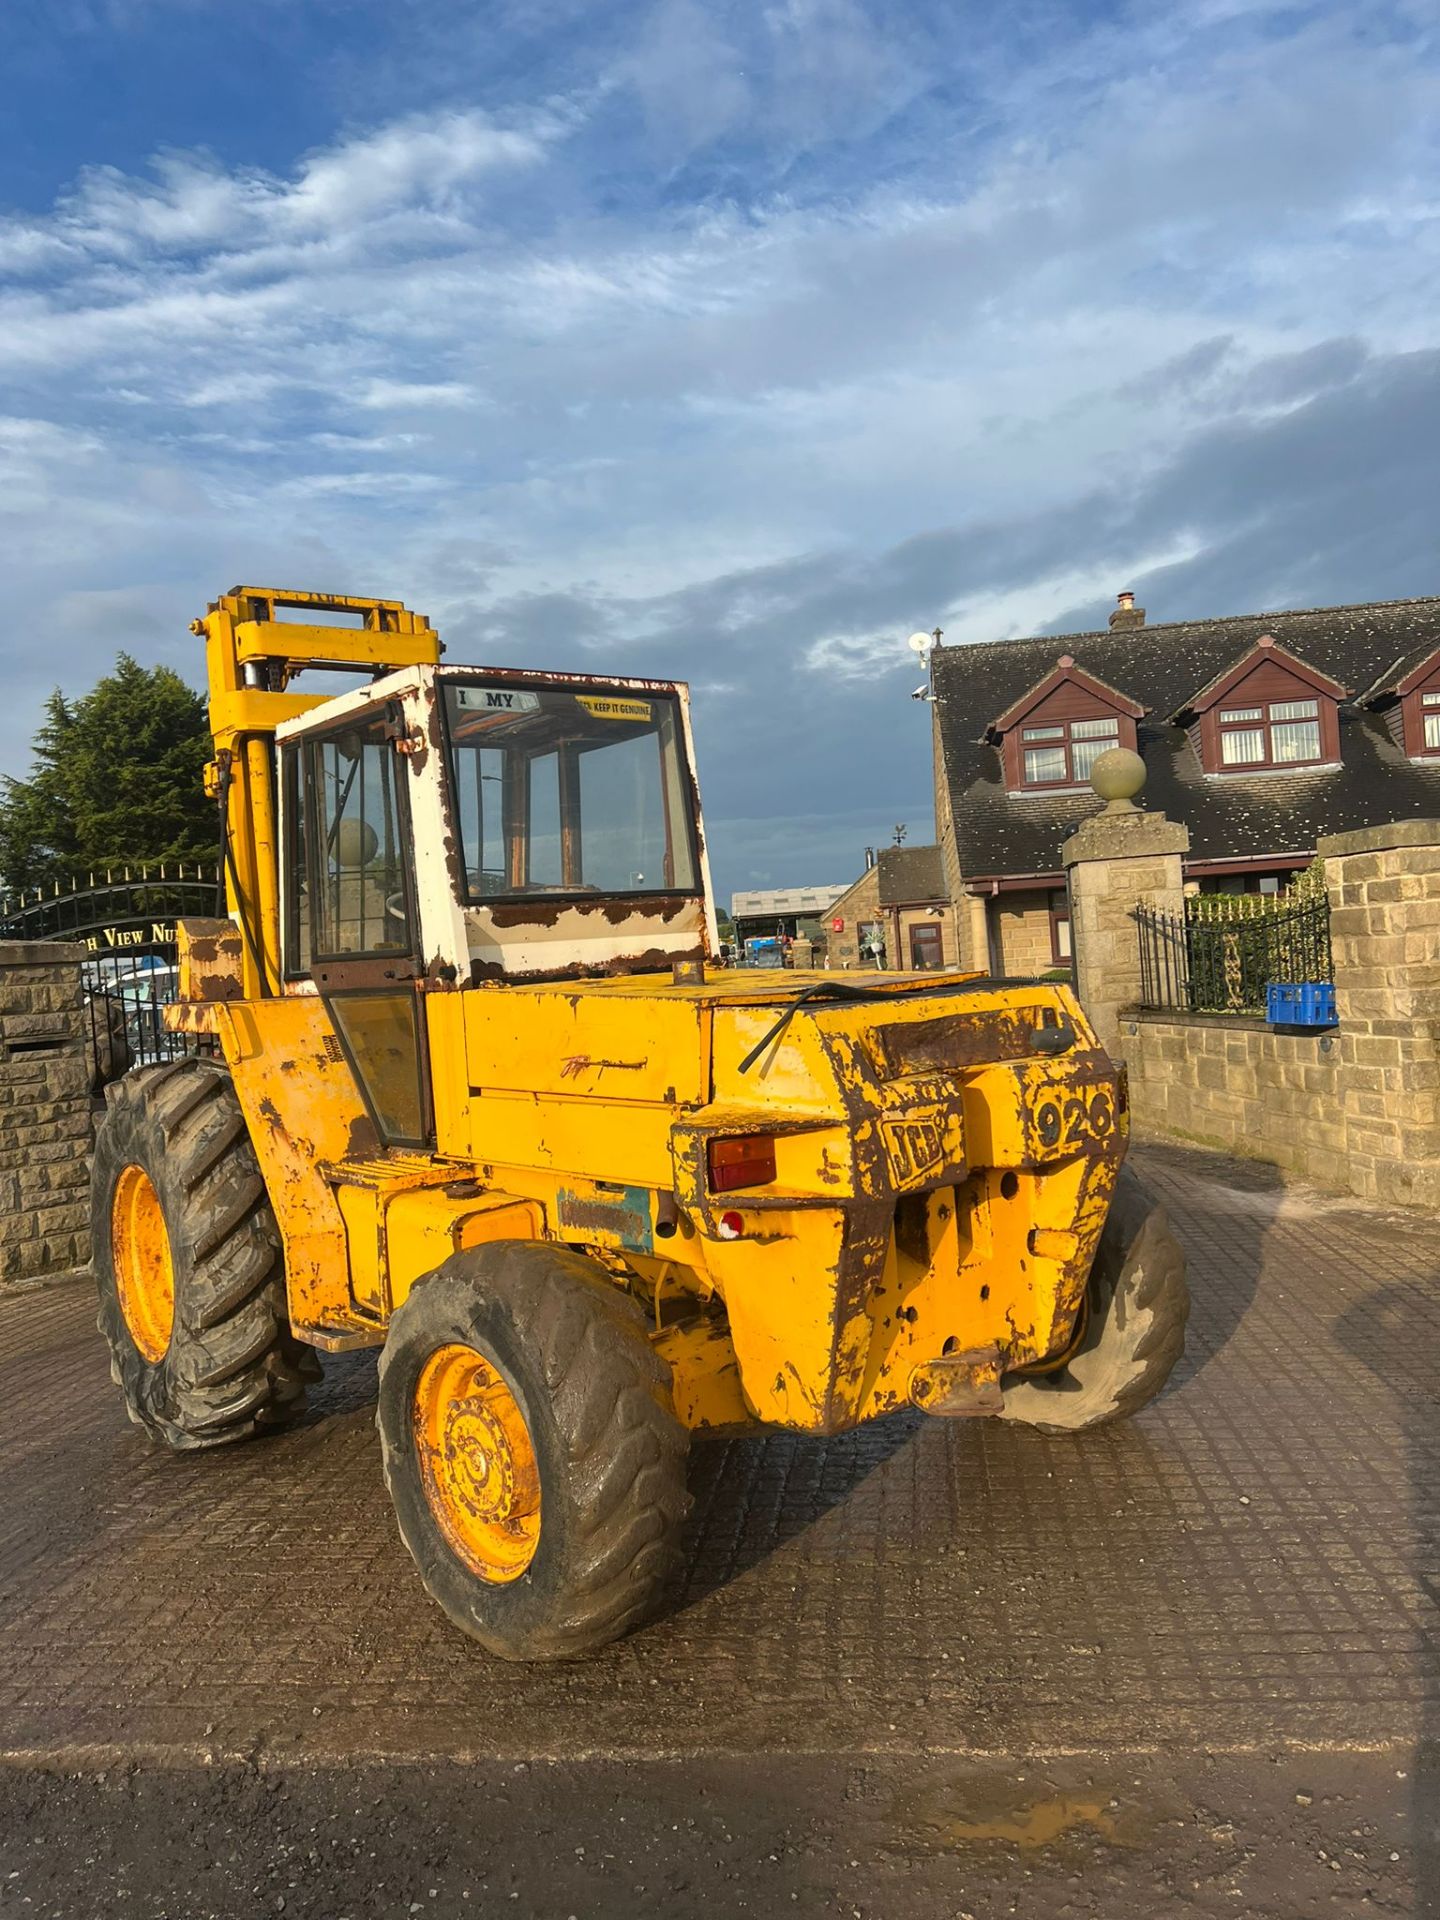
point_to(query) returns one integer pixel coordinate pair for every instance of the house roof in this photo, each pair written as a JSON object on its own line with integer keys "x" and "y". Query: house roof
{"x": 1231, "y": 817}
{"x": 1064, "y": 671}
{"x": 1265, "y": 648}
{"x": 1405, "y": 669}
{"x": 910, "y": 875}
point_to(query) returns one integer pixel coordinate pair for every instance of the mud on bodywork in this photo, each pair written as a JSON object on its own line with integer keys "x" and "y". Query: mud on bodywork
{"x": 966, "y": 1202}
{"x": 209, "y": 960}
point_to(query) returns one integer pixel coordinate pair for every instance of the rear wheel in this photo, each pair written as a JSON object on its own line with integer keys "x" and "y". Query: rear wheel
{"x": 531, "y": 1450}
{"x": 188, "y": 1262}
{"x": 1136, "y": 1307}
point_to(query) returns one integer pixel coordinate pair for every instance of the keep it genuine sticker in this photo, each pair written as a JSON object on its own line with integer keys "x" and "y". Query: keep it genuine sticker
{"x": 606, "y": 706}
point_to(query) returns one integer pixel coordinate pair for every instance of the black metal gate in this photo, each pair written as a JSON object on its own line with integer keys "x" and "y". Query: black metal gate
{"x": 1212, "y": 965}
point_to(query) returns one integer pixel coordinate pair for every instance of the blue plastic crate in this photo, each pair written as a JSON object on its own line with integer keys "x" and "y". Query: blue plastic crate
{"x": 1305, "y": 1003}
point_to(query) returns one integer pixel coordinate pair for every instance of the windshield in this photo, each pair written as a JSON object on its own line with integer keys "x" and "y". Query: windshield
{"x": 568, "y": 790}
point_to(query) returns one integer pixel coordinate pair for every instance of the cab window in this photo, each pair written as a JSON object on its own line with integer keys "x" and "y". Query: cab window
{"x": 569, "y": 790}
{"x": 348, "y": 885}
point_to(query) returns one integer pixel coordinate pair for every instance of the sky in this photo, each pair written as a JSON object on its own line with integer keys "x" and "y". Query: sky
{"x": 730, "y": 342}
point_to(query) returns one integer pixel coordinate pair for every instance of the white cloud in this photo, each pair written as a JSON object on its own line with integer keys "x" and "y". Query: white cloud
{"x": 412, "y": 162}
{"x": 192, "y": 203}
{"x": 361, "y": 442}
{"x": 380, "y": 484}
{"x": 416, "y": 393}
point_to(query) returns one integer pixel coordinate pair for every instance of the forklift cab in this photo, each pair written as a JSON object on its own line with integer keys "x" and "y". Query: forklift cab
{"x": 462, "y": 827}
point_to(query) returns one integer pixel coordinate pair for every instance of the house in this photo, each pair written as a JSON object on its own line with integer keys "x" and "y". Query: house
{"x": 897, "y": 914}
{"x": 1260, "y": 732}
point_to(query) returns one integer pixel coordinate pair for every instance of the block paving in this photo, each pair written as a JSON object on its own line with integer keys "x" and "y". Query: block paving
{"x": 1255, "y": 1560}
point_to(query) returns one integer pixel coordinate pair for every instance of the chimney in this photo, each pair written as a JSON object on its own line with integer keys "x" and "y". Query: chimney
{"x": 869, "y": 858}
{"x": 1126, "y": 613}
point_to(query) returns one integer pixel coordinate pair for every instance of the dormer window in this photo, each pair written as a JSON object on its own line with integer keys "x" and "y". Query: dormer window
{"x": 1053, "y": 735}
{"x": 1062, "y": 755}
{"x": 1408, "y": 699}
{"x": 1280, "y": 733}
{"x": 1269, "y": 712}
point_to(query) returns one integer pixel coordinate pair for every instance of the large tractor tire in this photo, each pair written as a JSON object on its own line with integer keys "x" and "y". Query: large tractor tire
{"x": 188, "y": 1262}
{"x": 1137, "y": 1305}
{"x": 531, "y": 1450}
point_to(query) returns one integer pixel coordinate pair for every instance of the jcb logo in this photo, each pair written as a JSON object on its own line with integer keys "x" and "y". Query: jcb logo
{"x": 916, "y": 1148}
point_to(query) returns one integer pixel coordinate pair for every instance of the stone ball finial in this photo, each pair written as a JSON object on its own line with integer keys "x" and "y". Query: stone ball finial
{"x": 357, "y": 843}
{"x": 1117, "y": 776}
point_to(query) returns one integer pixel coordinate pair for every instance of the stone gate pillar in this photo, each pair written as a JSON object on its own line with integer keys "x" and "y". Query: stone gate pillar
{"x": 45, "y": 1114}
{"x": 1384, "y": 888}
{"x": 1117, "y": 860}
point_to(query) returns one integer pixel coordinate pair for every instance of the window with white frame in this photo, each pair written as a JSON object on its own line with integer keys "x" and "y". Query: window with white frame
{"x": 1062, "y": 753}
{"x": 1430, "y": 713}
{"x": 1278, "y": 733}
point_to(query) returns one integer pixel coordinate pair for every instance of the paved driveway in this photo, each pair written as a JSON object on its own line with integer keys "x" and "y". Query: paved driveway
{"x": 1249, "y": 1569}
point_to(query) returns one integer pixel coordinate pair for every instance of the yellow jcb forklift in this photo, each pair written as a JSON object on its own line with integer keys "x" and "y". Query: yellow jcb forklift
{"x": 469, "y": 1086}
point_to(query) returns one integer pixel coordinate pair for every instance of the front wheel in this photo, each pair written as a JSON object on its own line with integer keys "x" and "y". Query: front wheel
{"x": 1136, "y": 1303}
{"x": 534, "y": 1459}
{"x": 188, "y": 1262}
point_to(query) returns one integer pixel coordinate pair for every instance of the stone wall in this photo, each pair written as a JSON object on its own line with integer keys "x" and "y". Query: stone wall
{"x": 1023, "y": 942}
{"x": 1384, "y": 887}
{"x": 1240, "y": 1087}
{"x": 45, "y": 1111}
{"x": 970, "y": 938}
{"x": 1355, "y": 1109}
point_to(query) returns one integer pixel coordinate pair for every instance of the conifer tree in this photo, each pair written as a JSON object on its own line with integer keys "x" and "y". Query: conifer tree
{"x": 116, "y": 779}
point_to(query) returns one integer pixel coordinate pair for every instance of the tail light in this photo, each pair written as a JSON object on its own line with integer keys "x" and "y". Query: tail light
{"x": 748, "y": 1161}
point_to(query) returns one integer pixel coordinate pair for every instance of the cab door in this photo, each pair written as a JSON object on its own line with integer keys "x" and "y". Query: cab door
{"x": 350, "y": 912}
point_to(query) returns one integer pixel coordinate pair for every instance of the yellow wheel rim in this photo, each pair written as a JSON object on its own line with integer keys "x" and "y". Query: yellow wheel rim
{"x": 144, "y": 1271}
{"x": 477, "y": 1463}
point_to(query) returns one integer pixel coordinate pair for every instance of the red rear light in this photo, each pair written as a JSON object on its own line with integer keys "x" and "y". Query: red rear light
{"x": 746, "y": 1162}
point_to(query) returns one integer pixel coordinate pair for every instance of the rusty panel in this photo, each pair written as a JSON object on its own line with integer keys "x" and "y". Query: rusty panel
{"x": 536, "y": 940}
{"x": 780, "y": 1290}
{"x": 954, "y": 1041}
{"x": 302, "y": 1108}
{"x": 211, "y": 963}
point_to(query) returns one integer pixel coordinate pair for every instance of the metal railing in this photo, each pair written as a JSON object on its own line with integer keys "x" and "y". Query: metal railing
{"x": 126, "y": 994}
{"x": 1197, "y": 963}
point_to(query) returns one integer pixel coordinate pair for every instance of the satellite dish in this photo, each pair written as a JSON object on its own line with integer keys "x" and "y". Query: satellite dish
{"x": 920, "y": 642}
